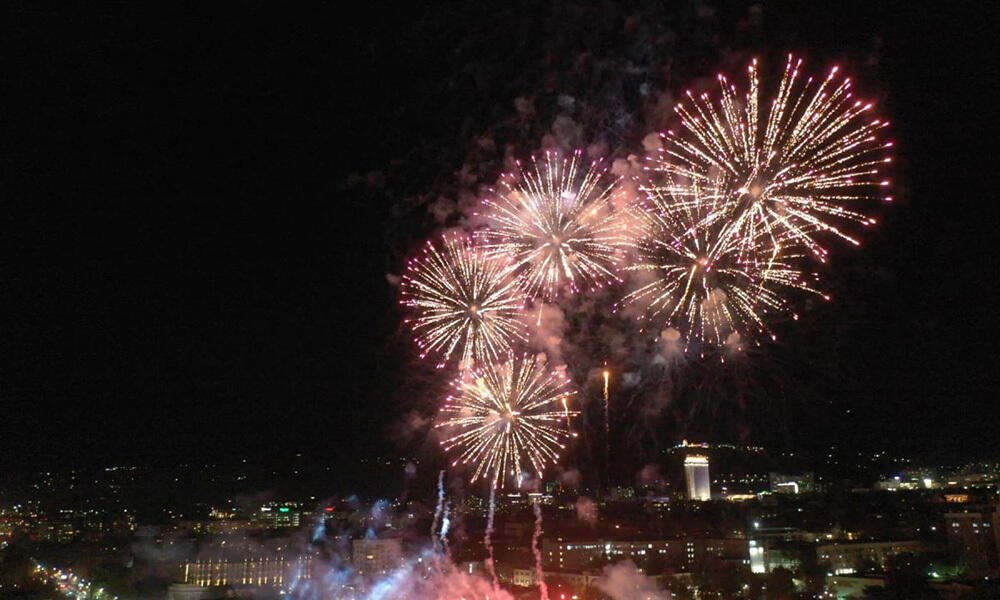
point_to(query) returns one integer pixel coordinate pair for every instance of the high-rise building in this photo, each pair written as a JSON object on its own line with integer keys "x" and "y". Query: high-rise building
{"x": 699, "y": 486}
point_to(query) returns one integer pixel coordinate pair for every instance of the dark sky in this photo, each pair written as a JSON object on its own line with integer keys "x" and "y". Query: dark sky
{"x": 182, "y": 273}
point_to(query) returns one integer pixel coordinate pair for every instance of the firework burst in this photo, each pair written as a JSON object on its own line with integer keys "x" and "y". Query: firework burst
{"x": 797, "y": 165}
{"x": 466, "y": 303}
{"x": 556, "y": 222}
{"x": 507, "y": 419}
{"x": 714, "y": 288}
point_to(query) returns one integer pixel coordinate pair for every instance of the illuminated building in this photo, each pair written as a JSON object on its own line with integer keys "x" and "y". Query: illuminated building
{"x": 973, "y": 535}
{"x": 185, "y": 591}
{"x": 955, "y": 498}
{"x": 699, "y": 486}
{"x": 766, "y": 556}
{"x": 681, "y": 553}
{"x": 375, "y": 558}
{"x": 257, "y": 571}
{"x": 757, "y": 562}
{"x": 279, "y": 515}
{"x": 792, "y": 484}
{"x": 849, "y": 557}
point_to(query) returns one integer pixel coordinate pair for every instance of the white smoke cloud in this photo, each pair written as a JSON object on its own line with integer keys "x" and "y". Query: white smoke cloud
{"x": 411, "y": 426}
{"x": 627, "y": 167}
{"x": 669, "y": 344}
{"x": 624, "y": 581}
{"x": 637, "y": 279}
{"x": 571, "y": 479}
{"x": 529, "y": 482}
{"x": 734, "y": 341}
{"x": 652, "y": 142}
{"x": 661, "y": 111}
{"x": 548, "y": 330}
{"x": 525, "y": 107}
{"x": 441, "y": 209}
{"x": 631, "y": 379}
{"x": 486, "y": 142}
{"x": 596, "y": 151}
{"x": 566, "y": 132}
{"x": 586, "y": 510}
{"x": 432, "y": 577}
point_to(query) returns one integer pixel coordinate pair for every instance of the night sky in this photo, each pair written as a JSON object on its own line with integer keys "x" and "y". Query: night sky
{"x": 189, "y": 270}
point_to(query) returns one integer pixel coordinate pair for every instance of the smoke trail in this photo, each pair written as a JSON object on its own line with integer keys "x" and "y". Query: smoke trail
{"x": 539, "y": 573}
{"x": 319, "y": 530}
{"x": 445, "y": 524}
{"x": 489, "y": 533}
{"x": 437, "y": 511}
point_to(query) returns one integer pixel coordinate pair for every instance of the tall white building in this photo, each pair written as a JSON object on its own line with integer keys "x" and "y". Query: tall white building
{"x": 699, "y": 486}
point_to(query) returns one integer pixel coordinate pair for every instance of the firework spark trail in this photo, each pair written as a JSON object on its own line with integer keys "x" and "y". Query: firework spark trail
{"x": 505, "y": 419}
{"x": 796, "y": 165}
{"x": 714, "y": 287}
{"x": 539, "y": 572}
{"x": 488, "y": 535}
{"x": 607, "y": 404}
{"x": 557, "y": 223}
{"x": 438, "y": 511}
{"x": 465, "y": 302}
{"x": 607, "y": 423}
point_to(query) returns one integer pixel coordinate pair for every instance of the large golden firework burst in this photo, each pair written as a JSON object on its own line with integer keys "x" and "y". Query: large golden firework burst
{"x": 506, "y": 419}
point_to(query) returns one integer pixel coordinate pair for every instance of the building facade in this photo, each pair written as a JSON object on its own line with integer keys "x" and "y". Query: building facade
{"x": 252, "y": 571}
{"x": 699, "y": 484}
{"x": 680, "y": 554}
{"x": 973, "y": 535}
{"x": 374, "y": 558}
{"x": 846, "y": 558}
